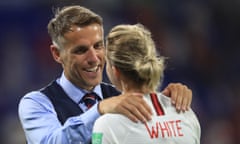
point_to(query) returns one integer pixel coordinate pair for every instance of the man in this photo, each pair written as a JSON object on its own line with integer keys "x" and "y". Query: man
{"x": 57, "y": 113}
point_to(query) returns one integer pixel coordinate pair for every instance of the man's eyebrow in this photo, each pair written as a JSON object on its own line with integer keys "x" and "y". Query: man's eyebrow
{"x": 100, "y": 41}
{"x": 81, "y": 46}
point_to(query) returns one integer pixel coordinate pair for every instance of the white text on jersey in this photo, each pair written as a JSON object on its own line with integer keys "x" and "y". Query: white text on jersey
{"x": 165, "y": 129}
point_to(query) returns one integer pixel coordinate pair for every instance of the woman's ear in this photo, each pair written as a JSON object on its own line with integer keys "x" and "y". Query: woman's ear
{"x": 116, "y": 72}
{"x": 55, "y": 53}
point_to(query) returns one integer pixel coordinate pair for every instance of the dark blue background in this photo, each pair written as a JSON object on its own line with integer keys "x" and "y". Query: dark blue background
{"x": 200, "y": 37}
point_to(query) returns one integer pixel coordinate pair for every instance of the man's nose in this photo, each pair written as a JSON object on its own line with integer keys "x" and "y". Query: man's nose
{"x": 92, "y": 55}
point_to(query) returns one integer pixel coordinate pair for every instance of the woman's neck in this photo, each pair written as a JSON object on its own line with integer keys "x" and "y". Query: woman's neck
{"x": 130, "y": 87}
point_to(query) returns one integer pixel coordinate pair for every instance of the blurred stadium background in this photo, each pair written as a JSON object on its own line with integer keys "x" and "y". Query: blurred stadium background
{"x": 200, "y": 37}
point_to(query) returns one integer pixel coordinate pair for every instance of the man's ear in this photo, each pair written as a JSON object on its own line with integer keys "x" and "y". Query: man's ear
{"x": 55, "y": 53}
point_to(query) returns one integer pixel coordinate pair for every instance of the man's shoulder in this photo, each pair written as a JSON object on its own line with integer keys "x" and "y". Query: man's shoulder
{"x": 109, "y": 90}
{"x": 34, "y": 97}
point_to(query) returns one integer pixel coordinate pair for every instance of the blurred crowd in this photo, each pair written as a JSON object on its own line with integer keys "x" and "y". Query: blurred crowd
{"x": 200, "y": 38}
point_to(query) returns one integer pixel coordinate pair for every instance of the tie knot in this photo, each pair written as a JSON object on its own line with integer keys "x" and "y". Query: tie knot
{"x": 89, "y": 99}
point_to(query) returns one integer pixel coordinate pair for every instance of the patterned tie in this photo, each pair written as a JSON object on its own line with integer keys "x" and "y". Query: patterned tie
{"x": 89, "y": 99}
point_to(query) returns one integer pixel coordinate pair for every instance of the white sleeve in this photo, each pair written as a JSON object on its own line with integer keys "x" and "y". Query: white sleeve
{"x": 102, "y": 131}
{"x": 196, "y": 126}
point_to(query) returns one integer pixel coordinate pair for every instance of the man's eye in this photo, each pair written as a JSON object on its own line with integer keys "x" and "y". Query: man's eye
{"x": 80, "y": 50}
{"x": 98, "y": 45}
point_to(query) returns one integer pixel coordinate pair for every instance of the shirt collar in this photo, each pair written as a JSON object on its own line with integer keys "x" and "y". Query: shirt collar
{"x": 73, "y": 91}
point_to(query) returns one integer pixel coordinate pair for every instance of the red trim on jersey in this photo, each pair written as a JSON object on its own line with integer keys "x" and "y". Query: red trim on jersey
{"x": 156, "y": 104}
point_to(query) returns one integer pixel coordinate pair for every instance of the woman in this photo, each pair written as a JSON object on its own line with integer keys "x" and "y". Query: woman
{"x": 133, "y": 66}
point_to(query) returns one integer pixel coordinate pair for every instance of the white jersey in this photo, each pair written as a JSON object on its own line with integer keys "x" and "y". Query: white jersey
{"x": 166, "y": 127}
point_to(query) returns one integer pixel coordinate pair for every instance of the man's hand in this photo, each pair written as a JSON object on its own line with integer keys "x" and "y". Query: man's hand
{"x": 131, "y": 105}
{"x": 180, "y": 94}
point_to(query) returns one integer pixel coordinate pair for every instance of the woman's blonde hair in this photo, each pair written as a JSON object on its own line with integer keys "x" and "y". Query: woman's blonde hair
{"x": 131, "y": 49}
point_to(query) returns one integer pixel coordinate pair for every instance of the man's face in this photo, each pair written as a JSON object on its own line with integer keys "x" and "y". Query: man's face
{"x": 83, "y": 55}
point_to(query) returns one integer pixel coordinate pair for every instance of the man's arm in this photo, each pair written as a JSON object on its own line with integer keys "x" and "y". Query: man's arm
{"x": 41, "y": 125}
{"x": 131, "y": 105}
{"x": 136, "y": 109}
